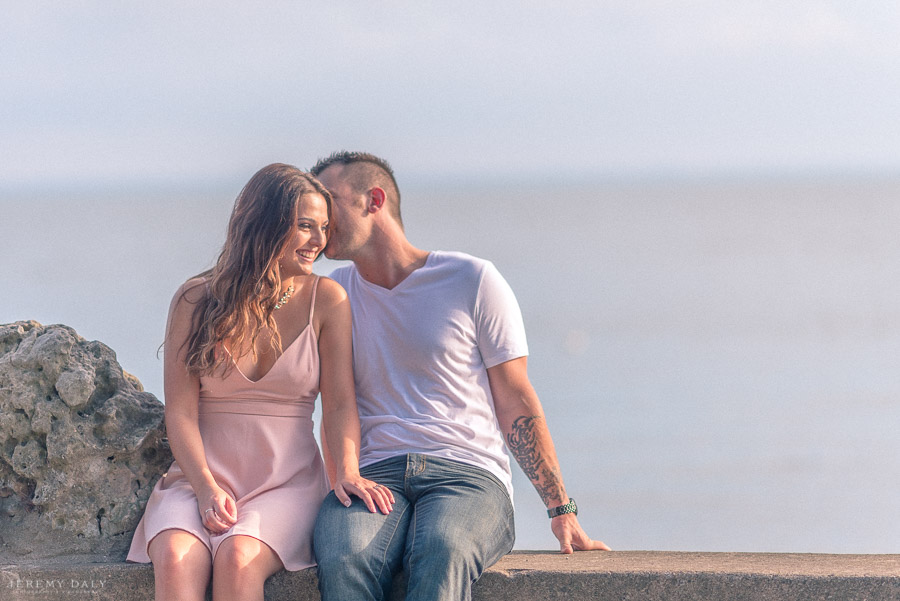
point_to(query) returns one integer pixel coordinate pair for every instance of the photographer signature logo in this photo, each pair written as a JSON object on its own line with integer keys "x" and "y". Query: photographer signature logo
{"x": 51, "y": 585}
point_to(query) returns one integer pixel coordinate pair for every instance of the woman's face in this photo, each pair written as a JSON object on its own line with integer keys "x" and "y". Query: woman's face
{"x": 308, "y": 238}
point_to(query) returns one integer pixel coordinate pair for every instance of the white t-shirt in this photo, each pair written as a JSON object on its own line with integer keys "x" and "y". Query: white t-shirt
{"x": 420, "y": 357}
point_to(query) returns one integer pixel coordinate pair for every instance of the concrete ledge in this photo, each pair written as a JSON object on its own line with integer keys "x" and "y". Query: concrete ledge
{"x": 527, "y": 575}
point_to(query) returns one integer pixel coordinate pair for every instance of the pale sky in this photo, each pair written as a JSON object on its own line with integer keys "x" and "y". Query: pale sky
{"x": 175, "y": 91}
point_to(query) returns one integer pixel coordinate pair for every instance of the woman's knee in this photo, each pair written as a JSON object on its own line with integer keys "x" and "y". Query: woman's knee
{"x": 178, "y": 552}
{"x": 236, "y": 553}
{"x": 245, "y": 558}
{"x": 181, "y": 565}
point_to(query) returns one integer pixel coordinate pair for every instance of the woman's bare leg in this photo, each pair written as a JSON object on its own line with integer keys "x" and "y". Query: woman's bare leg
{"x": 241, "y": 567}
{"x": 181, "y": 566}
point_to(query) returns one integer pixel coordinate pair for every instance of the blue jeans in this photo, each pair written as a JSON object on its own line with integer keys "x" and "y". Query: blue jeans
{"x": 450, "y": 522}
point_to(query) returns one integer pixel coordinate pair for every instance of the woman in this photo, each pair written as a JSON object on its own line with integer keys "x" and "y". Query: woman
{"x": 244, "y": 344}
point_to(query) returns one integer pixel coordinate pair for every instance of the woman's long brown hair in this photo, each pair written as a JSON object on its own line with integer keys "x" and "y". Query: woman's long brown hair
{"x": 244, "y": 286}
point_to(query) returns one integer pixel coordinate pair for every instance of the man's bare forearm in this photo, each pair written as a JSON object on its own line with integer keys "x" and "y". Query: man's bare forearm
{"x": 530, "y": 443}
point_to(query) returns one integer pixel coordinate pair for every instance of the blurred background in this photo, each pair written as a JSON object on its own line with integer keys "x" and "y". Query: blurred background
{"x": 696, "y": 204}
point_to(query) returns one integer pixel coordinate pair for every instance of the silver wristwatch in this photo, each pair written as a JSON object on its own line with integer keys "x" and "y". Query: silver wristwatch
{"x": 569, "y": 507}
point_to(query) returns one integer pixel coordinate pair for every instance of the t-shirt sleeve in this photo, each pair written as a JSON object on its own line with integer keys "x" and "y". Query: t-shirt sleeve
{"x": 499, "y": 328}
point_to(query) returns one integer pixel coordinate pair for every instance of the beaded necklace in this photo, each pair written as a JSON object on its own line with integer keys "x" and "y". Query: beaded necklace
{"x": 285, "y": 297}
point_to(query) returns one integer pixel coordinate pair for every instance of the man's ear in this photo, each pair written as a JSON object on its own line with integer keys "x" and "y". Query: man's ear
{"x": 376, "y": 199}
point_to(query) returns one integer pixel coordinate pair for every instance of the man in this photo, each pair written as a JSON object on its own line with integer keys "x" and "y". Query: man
{"x": 439, "y": 356}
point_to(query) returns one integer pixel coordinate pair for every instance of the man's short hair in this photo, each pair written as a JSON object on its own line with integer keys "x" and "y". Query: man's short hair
{"x": 365, "y": 170}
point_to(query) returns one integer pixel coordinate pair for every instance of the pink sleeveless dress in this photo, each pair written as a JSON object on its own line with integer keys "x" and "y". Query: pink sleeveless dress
{"x": 259, "y": 444}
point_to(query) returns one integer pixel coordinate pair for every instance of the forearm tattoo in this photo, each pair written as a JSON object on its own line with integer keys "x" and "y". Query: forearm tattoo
{"x": 523, "y": 444}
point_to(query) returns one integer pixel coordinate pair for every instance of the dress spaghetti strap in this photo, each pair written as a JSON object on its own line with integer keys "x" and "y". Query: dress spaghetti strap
{"x": 312, "y": 301}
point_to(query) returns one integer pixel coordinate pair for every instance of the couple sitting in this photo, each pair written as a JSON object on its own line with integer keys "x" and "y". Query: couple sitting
{"x": 420, "y": 358}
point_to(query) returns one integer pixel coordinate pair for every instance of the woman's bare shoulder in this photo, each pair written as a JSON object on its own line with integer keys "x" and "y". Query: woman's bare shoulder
{"x": 331, "y": 301}
{"x": 329, "y": 292}
{"x": 192, "y": 291}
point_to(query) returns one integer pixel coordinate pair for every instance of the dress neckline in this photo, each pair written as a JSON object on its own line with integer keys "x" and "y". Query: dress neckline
{"x": 277, "y": 359}
{"x": 284, "y": 351}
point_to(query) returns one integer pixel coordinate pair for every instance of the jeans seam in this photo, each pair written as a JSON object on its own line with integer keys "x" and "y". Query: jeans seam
{"x": 412, "y": 544}
{"x": 390, "y": 540}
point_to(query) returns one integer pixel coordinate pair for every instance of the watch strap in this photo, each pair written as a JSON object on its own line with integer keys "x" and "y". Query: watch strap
{"x": 569, "y": 507}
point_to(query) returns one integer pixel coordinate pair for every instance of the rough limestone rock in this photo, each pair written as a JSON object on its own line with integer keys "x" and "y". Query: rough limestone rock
{"x": 81, "y": 445}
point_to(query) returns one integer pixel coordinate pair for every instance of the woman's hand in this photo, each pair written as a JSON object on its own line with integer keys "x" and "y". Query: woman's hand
{"x": 218, "y": 510}
{"x": 371, "y": 493}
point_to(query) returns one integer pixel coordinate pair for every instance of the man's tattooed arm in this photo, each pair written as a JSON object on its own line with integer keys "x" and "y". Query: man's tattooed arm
{"x": 521, "y": 419}
{"x": 524, "y": 442}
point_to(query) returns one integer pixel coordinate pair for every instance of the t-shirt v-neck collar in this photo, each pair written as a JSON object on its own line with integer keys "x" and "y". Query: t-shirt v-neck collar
{"x": 404, "y": 283}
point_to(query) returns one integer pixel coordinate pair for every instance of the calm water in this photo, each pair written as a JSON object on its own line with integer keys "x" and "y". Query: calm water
{"x": 719, "y": 362}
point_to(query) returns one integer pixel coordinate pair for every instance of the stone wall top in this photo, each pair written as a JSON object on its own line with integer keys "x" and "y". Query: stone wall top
{"x": 544, "y": 576}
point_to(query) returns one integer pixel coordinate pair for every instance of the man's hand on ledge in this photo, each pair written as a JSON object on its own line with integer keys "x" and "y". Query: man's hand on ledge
{"x": 572, "y": 537}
